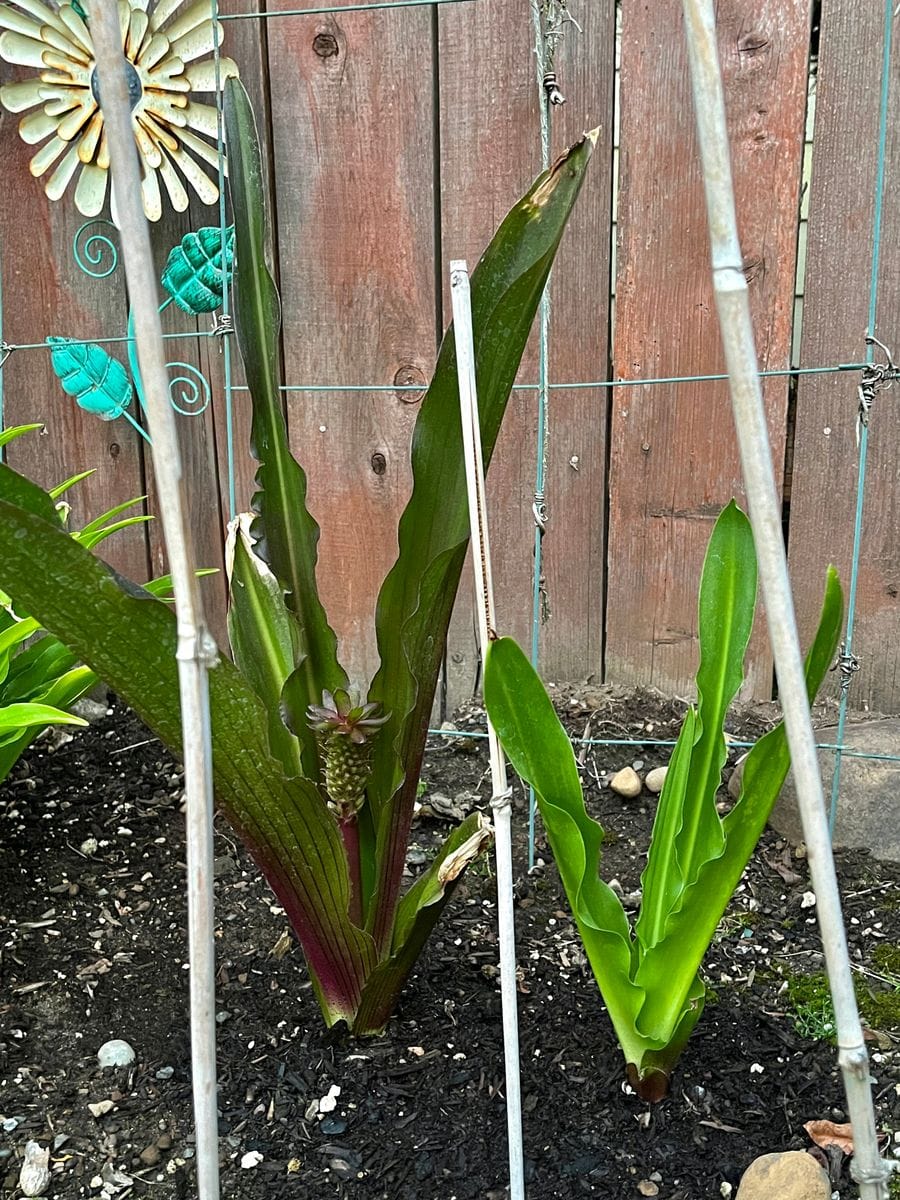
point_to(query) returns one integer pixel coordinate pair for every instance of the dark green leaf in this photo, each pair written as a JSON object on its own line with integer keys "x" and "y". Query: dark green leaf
{"x": 129, "y": 639}
{"x": 286, "y": 535}
{"x": 417, "y": 597}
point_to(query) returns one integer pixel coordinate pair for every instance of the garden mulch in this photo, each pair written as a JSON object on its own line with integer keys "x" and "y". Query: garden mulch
{"x": 92, "y": 881}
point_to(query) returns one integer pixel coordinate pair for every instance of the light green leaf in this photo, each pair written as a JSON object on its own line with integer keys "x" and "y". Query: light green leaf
{"x": 687, "y": 831}
{"x": 417, "y": 914}
{"x": 16, "y": 431}
{"x": 541, "y": 753}
{"x": 667, "y": 970}
{"x": 14, "y": 717}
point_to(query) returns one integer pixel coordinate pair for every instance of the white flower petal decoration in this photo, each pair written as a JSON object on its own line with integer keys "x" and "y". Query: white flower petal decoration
{"x": 165, "y": 45}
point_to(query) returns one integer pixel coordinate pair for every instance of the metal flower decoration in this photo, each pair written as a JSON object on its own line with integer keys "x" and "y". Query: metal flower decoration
{"x": 164, "y": 43}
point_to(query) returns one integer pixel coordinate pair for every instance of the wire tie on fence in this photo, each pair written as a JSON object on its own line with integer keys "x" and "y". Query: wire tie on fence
{"x": 847, "y": 665}
{"x": 223, "y": 324}
{"x": 551, "y": 87}
{"x": 5, "y": 351}
{"x": 539, "y": 512}
{"x": 875, "y": 376}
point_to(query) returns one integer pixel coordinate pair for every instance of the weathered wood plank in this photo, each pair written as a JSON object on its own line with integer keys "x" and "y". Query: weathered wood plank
{"x": 490, "y": 152}
{"x": 673, "y": 455}
{"x": 353, "y": 147}
{"x": 45, "y": 293}
{"x": 839, "y": 265}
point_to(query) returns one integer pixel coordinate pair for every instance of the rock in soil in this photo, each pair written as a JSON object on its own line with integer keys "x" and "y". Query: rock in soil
{"x": 34, "y": 1177}
{"x": 626, "y": 783}
{"x": 791, "y": 1175}
{"x": 115, "y": 1053}
{"x": 655, "y": 779}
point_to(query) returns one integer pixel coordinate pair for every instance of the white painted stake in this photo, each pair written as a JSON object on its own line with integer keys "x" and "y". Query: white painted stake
{"x": 196, "y": 650}
{"x": 501, "y": 798}
{"x": 732, "y": 302}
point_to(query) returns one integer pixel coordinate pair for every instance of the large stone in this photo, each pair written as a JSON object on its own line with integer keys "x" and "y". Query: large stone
{"x": 790, "y": 1175}
{"x": 868, "y": 812}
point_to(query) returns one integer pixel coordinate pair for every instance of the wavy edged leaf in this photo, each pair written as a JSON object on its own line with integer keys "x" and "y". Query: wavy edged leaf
{"x": 416, "y": 599}
{"x": 94, "y": 379}
{"x": 667, "y": 971}
{"x": 286, "y": 535}
{"x": 417, "y": 914}
{"x": 198, "y": 270}
{"x": 260, "y": 631}
{"x": 129, "y": 639}
{"x": 687, "y": 831}
{"x": 541, "y": 753}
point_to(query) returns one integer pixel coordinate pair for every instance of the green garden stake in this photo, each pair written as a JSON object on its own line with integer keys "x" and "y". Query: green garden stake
{"x": 194, "y": 276}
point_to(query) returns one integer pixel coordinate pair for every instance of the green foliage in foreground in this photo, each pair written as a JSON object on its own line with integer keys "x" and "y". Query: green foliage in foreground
{"x": 648, "y": 974}
{"x": 39, "y": 678}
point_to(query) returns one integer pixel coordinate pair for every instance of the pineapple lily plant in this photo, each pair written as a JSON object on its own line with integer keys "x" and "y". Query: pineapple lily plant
{"x": 320, "y": 784}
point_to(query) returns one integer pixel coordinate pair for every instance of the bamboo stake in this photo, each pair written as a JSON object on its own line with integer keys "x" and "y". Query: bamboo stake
{"x": 732, "y": 302}
{"x": 196, "y": 650}
{"x": 501, "y": 792}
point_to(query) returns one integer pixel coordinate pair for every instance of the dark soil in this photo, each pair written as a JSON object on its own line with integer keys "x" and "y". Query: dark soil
{"x": 92, "y": 899}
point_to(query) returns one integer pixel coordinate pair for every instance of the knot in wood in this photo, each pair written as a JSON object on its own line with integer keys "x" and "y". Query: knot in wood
{"x": 752, "y": 43}
{"x": 408, "y": 377}
{"x": 325, "y": 45}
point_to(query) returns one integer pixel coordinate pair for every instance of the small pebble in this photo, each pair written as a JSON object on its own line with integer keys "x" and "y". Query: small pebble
{"x": 165, "y": 1073}
{"x": 251, "y": 1159}
{"x": 149, "y": 1156}
{"x": 115, "y": 1053}
{"x": 34, "y": 1177}
{"x": 101, "y": 1108}
{"x": 655, "y": 779}
{"x": 626, "y": 783}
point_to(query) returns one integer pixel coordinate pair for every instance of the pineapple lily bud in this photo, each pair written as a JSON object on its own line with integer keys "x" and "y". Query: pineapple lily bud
{"x": 344, "y": 731}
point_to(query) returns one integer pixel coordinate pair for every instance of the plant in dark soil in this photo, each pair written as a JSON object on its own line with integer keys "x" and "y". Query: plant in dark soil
{"x": 326, "y": 814}
{"x": 648, "y": 974}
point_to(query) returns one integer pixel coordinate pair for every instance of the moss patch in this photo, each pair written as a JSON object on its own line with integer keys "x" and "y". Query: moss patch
{"x": 879, "y": 1004}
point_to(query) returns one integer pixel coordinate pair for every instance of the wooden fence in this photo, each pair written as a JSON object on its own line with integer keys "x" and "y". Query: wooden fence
{"x": 395, "y": 142}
